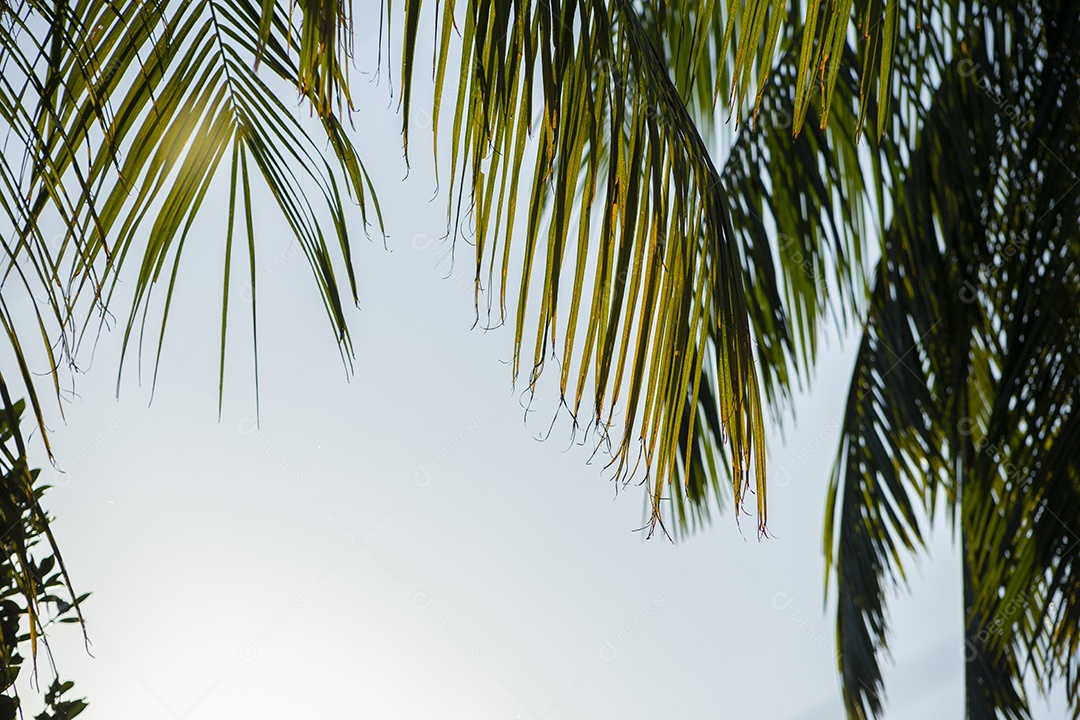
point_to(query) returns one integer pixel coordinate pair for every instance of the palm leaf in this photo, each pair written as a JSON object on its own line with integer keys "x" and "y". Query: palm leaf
{"x": 634, "y": 337}
{"x": 976, "y": 305}
{"x": 117, "y": 119}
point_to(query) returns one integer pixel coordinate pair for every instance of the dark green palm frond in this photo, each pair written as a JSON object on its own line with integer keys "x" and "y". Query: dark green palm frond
{"x": 142, "y": 107}
{"x": 992, "y": 671}
{"x": 1022, "y": 489}
{"x": 657, "y": 298}
{"x": 116, "y": 119}
{"x": 911, "y": 365}
{"x": 872, "y": 516}
{"x": 1027, "y": 460}
{"x": 979, "y": 316}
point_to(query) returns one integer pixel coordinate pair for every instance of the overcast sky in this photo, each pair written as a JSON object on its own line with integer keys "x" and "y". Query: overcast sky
{"x": 399, "y": 545}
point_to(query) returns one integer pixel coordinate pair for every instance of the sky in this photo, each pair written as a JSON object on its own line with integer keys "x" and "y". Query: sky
{"x": 398, "y": 544}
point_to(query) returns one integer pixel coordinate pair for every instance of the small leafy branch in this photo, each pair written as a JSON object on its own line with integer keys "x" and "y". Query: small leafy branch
{"x": 34, "y": 590}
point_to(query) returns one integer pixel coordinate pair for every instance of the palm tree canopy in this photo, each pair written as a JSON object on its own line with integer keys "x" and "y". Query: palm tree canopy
{"x": 680, "y": 269}
{"x": 683, "y": 292}
{"x": 966, "y": 373}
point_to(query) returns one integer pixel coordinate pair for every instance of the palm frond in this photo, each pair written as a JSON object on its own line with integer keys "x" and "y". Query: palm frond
{"x": 117, "y": 118}
{"x": 624, "y": 107}
{"x": 139, "y": 107}
{"x": 666, "y": 304}
{"x": 970, "y": 378}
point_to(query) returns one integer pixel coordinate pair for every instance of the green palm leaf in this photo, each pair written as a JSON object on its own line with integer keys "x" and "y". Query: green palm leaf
{"x": 656, "y": 298}
{"x": 966, "y": 376}
{"x": 120, "y": 116}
